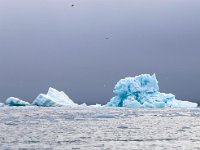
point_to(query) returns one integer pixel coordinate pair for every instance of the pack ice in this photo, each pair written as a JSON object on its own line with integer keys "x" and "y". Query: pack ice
{"x": 143, "y": 91}
{"x": 53, "y": 98}
{"x": 12, "y": 101}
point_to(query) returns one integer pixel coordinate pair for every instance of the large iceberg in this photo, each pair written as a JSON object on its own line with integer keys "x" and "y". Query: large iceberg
{"x": 143, "y": 92}
{"x": 53, "y": 98}
{"x": 12, "y": 101}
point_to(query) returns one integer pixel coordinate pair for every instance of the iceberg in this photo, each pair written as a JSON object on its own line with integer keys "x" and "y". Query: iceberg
{"x": 1, "y": 104}
{"x": 53, "y": 98}
{"x": 12, "y": 101}
{"x": 143, "y": 92}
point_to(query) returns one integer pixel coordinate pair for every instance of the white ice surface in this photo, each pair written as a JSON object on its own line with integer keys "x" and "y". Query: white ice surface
{"x": 53, "y": 98}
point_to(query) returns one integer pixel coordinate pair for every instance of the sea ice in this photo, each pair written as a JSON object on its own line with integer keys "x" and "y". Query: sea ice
{"x": 96, "y": 105}
{"x": 143, "y": 92}
{"x": 122, "y": 126}
{"x": 104, "y": 116}
{"x": 1, "y": 104}
{"x": 12, "y": 101}
{"x": 53, "y": 98}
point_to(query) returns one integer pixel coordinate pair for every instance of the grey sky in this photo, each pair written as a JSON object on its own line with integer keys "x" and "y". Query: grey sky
{"x": 84, "y": 50}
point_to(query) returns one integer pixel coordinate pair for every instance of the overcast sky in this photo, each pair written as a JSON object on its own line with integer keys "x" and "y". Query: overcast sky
{"x": 85, "y": 49}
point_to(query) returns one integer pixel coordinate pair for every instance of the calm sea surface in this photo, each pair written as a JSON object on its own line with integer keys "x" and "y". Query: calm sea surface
{"x": 39, "y": 128}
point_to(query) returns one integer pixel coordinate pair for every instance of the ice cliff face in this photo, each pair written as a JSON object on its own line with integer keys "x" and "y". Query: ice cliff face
{"x": 53, "y": 98}
{"x": 143, "y": 91}
{"x": 12, "y": 101}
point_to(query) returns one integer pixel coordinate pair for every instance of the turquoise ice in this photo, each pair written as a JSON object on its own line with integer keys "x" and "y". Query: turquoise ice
{"x": 1, "y": 104}
{"x": 12, "y": 101}
{"x": 143, "y": 92}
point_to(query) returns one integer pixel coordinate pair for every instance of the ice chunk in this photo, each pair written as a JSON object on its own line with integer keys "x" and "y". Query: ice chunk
{"x": 182, "y": 104}
{"x": 115, "y": 102}
{"x": 143, "y": 91}
{"x": 130, "y": 102}
{"x": 96, "y": 105}
{"x": 122, "y": 126}
{"x": 148, "y": 105}
{"x": 104, "y": 116}
{"x": 12, "y": 101}
{"x": 143, "y": 83}
{"x": 159, "y": 104}
{"x": 84, "y": 105}
{"x": 53, "y": 98}
{"x": 1, "y": 104}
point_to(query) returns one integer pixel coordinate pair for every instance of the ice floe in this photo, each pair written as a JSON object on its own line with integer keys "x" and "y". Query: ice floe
{"x": 122, "y": 126}
{"x": 143, "y": 92}
{"x": 104, "y": 116}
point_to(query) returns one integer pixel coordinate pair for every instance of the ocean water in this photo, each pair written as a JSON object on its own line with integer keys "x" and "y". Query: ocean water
{"x": 40, "y": 128}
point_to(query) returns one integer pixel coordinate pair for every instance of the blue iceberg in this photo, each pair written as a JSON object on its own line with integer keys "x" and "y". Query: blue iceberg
{"x": 12, "y": 101}
{"x": 53, "y": 98}
{"x": 143, "y": 92}
{"x": 1, "y": 104}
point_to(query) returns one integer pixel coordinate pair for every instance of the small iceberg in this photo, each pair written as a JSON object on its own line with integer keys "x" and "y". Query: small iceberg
{"x": 1, "y": 104}
{"x": 53, "y": 98}
{"x": 12, "y": 101}
{"x": 143, "y": 92}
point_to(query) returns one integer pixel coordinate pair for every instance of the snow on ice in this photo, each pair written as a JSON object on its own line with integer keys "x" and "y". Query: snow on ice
{"x": 53, "y": 98}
